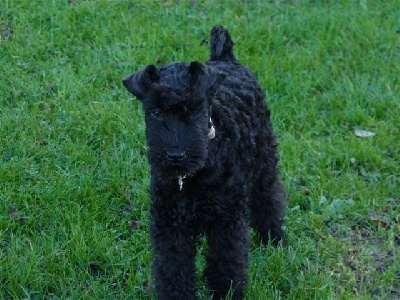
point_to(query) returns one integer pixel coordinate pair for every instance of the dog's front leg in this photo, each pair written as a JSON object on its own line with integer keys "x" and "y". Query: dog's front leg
{"x": 227, "y": 256}
{"x": 174, "y": 251}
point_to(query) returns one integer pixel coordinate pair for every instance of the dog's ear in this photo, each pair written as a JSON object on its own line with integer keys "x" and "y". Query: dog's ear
{"x": 140, "y": 83}
{"x": 204, "y": 80}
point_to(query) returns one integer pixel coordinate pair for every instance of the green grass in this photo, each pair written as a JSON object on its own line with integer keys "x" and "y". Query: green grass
{"x": 73, "y": 174}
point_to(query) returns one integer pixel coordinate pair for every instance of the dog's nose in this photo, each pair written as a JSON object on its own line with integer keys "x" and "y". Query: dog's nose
{"x": 176, "y": 154}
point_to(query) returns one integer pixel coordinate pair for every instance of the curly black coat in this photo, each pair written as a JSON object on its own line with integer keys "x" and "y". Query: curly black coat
{"x": 213, "y": 163}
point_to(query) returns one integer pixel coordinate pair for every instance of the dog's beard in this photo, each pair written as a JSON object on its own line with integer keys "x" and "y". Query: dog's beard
{"x": 193, "y": 162}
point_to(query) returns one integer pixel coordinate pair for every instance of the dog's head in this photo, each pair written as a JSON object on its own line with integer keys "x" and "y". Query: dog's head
{"x": 177, "y": 104}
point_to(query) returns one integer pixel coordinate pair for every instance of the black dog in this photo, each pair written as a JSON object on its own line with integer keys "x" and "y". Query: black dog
{"x": 213, "y": 163}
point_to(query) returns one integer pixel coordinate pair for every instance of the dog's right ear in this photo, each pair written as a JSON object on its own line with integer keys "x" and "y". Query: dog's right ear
{"x": 140, "y": 83}
{"x": 204, "y": 80}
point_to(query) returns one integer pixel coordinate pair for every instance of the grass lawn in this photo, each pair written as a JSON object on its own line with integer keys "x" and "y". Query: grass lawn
{"x": 73, "y": 173}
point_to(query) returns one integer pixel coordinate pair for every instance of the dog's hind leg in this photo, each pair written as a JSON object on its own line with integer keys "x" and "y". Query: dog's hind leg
{"x": 266, "y": 206}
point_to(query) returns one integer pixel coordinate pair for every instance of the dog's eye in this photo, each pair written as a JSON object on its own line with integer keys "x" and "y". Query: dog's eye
{"x": 156, "y": 113}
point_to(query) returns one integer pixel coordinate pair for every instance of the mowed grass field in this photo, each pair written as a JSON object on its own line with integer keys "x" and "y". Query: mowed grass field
{"x": 74, "y": 178}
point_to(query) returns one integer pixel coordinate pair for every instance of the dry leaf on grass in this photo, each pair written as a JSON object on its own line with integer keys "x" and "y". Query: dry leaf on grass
{"x": 50, "y": 87}
{"x": 377, "y": 220}
{"x": 96, "y": 268}
{"x": 132, "y": 225}
{"x": 363, "y": 133}
{"x": 13, "y": 213}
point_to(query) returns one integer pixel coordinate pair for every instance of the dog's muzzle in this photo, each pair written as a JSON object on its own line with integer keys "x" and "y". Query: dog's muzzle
{"x": 177, "y": 155}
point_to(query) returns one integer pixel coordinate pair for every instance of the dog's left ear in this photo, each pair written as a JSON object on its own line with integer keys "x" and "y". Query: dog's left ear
{"x": 204, "y": 80}
{"x": 140, "y": 83}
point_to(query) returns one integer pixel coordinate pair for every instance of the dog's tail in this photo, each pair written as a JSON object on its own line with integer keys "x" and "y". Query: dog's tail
{"x": 221, "y": 45}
